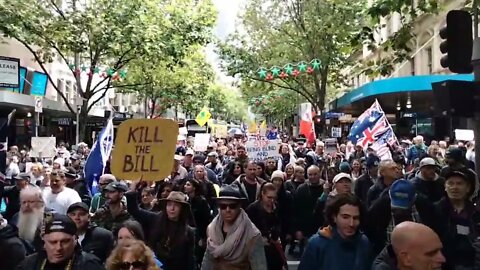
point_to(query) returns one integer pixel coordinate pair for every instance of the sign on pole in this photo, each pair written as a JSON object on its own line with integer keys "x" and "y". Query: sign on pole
{"x": 336, "y": 132}
{"x": 144, "y": 149}
{"x": 259, "y": 150}
{"x": 38, "y": 104}
{"x": 43, "y": 147}
{"x": 9, "y": 72}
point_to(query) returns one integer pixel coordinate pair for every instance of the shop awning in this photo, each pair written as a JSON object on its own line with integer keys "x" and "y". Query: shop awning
{"x": 396, "y": 85}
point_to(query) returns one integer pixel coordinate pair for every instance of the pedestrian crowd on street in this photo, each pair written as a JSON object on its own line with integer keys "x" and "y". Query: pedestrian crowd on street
{"x": 219, "y": 210}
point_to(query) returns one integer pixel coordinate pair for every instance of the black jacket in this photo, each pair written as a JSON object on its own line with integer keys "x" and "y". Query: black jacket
{"x": 362, "y": 185}
{"x": 386, "y": 260}
{"x": 458, "y": 249}
{"x": 81, "y": 188}
{"x": 375, "y": 191}
{"x": 83, "y": 261}
{"x": 11, "y": 248}
{"x": 179, "y": 257}
{"x": 305, "y": 202}
{"x": 201, "y": 214}
{"x": 433, "y": 190}
{"x": 380, "y": 213}
{"x": 98, "y": 241}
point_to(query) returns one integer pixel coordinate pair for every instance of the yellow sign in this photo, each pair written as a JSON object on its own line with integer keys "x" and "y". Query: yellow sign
{"x": 144, "y": 149}
{"x": 221, "y": 131}
{"x": 203, "y": 117}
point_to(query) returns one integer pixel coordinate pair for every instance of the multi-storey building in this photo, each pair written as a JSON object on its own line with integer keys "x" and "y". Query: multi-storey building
{"x": 406, "y": 94}
{"x": 56, "y": 119}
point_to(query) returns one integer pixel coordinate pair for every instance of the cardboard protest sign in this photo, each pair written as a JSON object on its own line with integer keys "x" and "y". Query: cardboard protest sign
{"x": 43, "y": 147}
{"x": 221, "y": 131}
{"x": 330, "y": 146}
{"x": 259, "y": 150}
{"x": 144, "y": 149}
{"x": 201, "y": 142}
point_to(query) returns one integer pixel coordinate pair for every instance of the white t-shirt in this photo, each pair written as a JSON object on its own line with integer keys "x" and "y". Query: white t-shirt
{"x": 80, "y": 238}
{"x": 61, "y": 201}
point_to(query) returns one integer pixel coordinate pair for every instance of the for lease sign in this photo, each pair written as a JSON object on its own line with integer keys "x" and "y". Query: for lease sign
{"x": 9, "y": 72}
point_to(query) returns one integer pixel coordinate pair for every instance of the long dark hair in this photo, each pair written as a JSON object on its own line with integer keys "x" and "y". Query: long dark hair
{"x": 169, "y": 233}
{"x": 134, "y": 228}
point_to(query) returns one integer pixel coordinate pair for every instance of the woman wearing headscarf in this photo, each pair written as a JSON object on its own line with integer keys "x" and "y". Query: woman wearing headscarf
{"x": 233, "y": 241}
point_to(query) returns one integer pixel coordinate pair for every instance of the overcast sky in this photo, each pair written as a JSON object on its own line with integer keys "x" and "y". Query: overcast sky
{"x": 227, "y": 14}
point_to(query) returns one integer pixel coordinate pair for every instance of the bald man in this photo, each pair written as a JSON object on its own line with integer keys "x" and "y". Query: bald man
{"x": 414, "y": 247}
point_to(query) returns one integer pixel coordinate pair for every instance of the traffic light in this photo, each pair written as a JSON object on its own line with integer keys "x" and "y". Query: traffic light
{"x": 458, "y": 44}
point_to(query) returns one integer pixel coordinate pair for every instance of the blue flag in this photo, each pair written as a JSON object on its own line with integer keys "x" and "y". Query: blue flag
{"x": 97, "y": 159}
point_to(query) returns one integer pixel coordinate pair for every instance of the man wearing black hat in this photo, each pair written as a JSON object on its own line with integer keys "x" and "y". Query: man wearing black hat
{"x": 76, "y": 162}
{"x": 93, "y": 239}
{"x": 114, "y": 212}
{"x": 78, "y": 184}
{"x": 455, "y": 159}
{"x": 61, "y": 248}
{"x": 12, "y": 194}
{"x": 233, "y": 241}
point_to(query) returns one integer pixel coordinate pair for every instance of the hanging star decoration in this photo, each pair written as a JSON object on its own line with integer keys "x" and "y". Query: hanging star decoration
{"x": 116, "y": 75}
{"x": 289, "y": 70}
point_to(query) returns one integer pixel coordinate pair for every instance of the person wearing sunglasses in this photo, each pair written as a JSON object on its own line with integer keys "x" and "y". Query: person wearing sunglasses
{"x": 132, "y": 255}
{"x": 233, "y": 241}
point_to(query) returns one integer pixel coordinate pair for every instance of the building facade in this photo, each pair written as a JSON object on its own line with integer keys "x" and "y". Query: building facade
{"x": 406, "y": 94}
{"x": 55, "y": 119}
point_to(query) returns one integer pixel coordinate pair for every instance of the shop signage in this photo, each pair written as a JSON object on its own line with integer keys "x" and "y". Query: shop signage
{"x": 9, "y": 72}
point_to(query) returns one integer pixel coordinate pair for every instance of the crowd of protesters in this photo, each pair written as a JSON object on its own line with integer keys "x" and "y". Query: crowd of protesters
{"x": 342, "y": 209}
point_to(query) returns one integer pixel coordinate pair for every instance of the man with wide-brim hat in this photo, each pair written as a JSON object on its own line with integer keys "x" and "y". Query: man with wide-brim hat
{"x": 233, "y": 241}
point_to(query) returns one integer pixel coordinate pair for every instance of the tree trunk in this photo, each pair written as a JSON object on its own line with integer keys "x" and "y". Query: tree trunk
{"x": 83, "y": 120}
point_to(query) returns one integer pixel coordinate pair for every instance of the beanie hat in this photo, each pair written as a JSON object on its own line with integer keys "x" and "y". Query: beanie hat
{"x": 344, "y": 167}
{"x": 278, "y": 174}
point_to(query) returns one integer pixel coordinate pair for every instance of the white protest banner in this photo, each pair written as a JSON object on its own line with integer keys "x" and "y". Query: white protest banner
{"x": 43, "y": 147}
{"x": 201, "y": 142}
{"x": 259, "y": 150}
{"x": 464, "y": 135}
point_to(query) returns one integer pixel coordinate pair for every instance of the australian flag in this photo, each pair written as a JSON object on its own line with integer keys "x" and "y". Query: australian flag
{"x": 98, "y": 157}
{"x": 372, "y": 129}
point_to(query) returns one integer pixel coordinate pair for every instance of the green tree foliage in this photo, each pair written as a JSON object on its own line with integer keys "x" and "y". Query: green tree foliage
{"x": 104, "y": 33}
{"x": 289, "y": 31}
{"x": 172, "y": 82}
{"x": 334, "y": 31}
{"x": 226, "y": 103}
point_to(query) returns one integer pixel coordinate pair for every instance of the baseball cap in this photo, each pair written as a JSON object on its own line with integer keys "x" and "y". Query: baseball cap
{"x": 116, "y": 186}
{"x": 402, "y": 194}
{"x": 75, "y": 157}
{"x": 59, "y": 223}
{"x": 78, "y": 205}
{"x": 190, "y": 152}
{"x": 212, "y": 154}
{"x": 344, "y": 167}
{"x": 455, "y": 153}
{"x": 428, "y": 162}
{"x": 71, "y": 173}
{"x": 372, "y": 161}
{"x": 22, "y": 176}
{"x": 341, "y": 176}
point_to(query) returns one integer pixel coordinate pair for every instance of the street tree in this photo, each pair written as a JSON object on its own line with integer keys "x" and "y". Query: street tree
{"x": 172, "y": 83}
{"x": 283, "y": 33}
{"x": 102, "y": 34}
